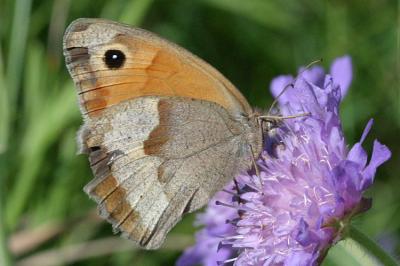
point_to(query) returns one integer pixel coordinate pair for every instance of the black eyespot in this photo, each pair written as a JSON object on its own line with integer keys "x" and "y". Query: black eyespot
{"x": 114, "y": 59}
{"x": 94, "y": 148}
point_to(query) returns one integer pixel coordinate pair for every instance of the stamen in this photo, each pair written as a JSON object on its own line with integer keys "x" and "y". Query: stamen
{"x": 226, "y": 205}
{"x": 234, "y": 237}
{"x": 230, "y": 192}
{"x": 226, "y": 261}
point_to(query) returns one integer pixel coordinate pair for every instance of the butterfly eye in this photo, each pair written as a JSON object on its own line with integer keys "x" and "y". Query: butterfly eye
{"x": 114, "y": 59}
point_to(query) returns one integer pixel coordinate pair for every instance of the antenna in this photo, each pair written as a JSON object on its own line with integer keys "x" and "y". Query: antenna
{"x": 277, "y": 117}
{"x": 292, "y": 85}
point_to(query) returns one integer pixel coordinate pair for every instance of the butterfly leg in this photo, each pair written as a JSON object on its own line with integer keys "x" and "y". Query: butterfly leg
{"x": 253, "y": 158}
{"x": 235, "y": 182}
{"x": 254, "y": 161}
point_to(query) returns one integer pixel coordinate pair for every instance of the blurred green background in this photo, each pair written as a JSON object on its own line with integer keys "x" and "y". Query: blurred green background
{"x": 46, "y": 219}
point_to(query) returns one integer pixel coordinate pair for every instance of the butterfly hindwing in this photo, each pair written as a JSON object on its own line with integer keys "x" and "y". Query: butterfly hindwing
{"x": 156, "y": 158}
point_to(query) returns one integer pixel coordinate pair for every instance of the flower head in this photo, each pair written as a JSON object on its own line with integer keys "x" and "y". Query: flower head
{"x": 309, "y": 184}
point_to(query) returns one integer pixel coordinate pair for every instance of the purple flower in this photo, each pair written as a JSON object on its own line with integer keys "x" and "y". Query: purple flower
{"x": 306, "y": 193}
{"x": 208, "y": 250}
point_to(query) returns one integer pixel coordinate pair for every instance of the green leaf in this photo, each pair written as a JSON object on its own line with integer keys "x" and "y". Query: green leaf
{"x": 348, "y": 252}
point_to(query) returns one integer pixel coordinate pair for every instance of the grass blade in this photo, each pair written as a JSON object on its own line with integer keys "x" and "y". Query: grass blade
{"x": 18, "y": 40}
{"x": 4, "y": 108}
{"x": 60, "y": 112}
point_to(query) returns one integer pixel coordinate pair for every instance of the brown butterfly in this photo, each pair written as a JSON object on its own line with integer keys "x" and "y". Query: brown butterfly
{"x": 163, "y": 129}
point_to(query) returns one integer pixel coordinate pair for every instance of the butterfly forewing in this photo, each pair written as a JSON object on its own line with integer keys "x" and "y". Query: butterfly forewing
{"x": 152, "y": 67}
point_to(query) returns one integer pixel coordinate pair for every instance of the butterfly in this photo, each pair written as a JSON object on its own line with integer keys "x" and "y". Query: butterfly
{"x": 163, "y": 130}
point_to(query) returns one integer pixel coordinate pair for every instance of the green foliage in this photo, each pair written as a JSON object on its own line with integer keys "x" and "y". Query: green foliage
{"x": 41, "y": 177}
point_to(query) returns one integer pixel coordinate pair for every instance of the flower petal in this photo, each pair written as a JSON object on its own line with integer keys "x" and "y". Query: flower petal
{"x": 342, "y": 73}
{"x": 278, "y": 84}
{"x": 299, "y": 99}
{"x": 304, "y": 235}
{"x": 314, "y": 75}
{"x": 205, "y": 252}
{"x": 357, "y": 153}
{"x": 300, "y": 258}
{"x": 366, "y": 130}
{"x": 380, "y": 154}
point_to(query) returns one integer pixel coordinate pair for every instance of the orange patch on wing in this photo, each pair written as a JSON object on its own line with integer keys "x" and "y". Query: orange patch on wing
{"x": 114, "y": 199}
{"x": 105, "y": 187}
{"x": 149, "y": 70}
{"x": 118, "y": 210}
{"x": 159, "y": 135}
{"x": 130, "y": 221}
{"x": 122, "y": 215}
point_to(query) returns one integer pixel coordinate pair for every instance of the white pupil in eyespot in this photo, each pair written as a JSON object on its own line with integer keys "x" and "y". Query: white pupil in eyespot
{"x": 114, "y": 59}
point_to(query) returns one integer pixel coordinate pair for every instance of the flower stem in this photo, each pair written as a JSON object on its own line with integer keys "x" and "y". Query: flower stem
{"x": 372, "y": 247}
